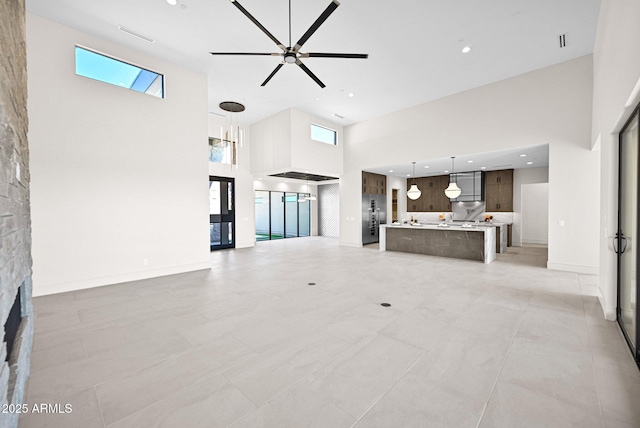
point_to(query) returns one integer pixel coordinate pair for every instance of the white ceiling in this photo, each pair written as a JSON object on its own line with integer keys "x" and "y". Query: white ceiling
{"x": 516, "y": 158}
{"x": 414, "y": 46}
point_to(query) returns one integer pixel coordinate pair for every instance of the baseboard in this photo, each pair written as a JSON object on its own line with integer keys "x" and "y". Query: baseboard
{"x": 534, "y": 241}
{"x": 609, "y": 311}
{"x": 590, "y": 270}
{"x": 62, "y": 287}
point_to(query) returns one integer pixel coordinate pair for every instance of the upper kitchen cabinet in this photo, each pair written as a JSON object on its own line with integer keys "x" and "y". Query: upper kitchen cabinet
{"x": 433, "y": 198}
{"x": 499, "y": 190}
{"x": 374, "y": 184}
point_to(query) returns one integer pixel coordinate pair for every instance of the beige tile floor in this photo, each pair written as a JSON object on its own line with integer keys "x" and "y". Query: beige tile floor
{"x": 251, "y": 344}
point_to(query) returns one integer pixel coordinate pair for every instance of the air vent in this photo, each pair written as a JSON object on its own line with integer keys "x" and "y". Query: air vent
{"x": 135, "y": 34}
{"x": 562, "y": 40}
{"x": 338, "y": 116}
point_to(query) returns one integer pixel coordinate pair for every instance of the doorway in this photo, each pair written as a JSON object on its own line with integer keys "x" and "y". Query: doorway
{"x": 222, "y": 218}
{"x": 628, "y": 255}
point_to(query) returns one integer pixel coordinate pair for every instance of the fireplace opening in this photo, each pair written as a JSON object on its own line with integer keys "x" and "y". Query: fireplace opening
{"x": 12, "y": 324}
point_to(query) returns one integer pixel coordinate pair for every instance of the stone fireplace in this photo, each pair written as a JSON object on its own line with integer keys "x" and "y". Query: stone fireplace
{"x": 15, "y": 218}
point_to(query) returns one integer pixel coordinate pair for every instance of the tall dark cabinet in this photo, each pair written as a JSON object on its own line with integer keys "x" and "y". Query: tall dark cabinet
{"x": 499, "y": 190}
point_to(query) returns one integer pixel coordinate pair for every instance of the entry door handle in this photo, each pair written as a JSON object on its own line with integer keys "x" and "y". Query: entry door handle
{"x": 623, "y": 240}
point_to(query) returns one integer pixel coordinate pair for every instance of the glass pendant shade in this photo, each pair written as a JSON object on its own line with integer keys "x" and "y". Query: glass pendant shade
{"x": 413, "y": 193}
{"x": 453, "y": 191}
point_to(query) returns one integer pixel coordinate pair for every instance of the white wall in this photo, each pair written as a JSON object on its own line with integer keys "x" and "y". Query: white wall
{"x": 535, "y": 213}
{"x": 523, "y": 177}
{"x": 314, "y": 156}
{"x": 245, "y": 210}
{"x": 283, "y": 143}
{"x": 616, "y": 69}
{"x": 551, "y": 105}
{"x": 118, "y": 189}
{"x": 271, "y": 150}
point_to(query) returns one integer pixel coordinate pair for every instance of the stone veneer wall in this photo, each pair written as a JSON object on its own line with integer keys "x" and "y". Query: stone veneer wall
{"x": 329, "y": 210}
{"x": 15, "y": 217}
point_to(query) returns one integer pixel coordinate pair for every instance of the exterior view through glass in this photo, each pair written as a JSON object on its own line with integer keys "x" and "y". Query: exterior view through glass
{"x": 628, "y": 233}
{"x": 281, "y": 215}
{"x": 119, "y": 73}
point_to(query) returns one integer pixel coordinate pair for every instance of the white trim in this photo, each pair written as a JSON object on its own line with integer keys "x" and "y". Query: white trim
{"x": 61, "y": 287}
{"x": 590, "y": 270}
{"x": 534, "y": 241}
{"x": 609, "y": 311}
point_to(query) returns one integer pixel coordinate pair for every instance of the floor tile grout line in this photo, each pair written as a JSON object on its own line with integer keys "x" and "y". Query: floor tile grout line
{"x": 425, "y": 352}
{"x": 593, "y": 362}
{"x": 390, "y": 388}
{"x": 504, "y": 361}
{"x": 95, "y": 391}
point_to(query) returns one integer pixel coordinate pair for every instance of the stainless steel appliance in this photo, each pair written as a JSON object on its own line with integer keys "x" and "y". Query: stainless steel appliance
{"x": 374, "y": 213}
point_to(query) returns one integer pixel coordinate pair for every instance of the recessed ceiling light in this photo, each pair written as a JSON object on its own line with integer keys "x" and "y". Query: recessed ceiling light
{"x": 390, "y": 170}
{"x": 483, "y": 167}
{"x": 317, "y": 98}
{"x": 529, "y": 163}
{"x": 427, "y": 166}
{"x": 524, "y": 155}
{"x": 408, "y": 175}
{"x": 469, "y": 161}
{"x": 446, "y": 170}
{"x": 172, "y": 2}
{"x": 351, "y": 94}
{"x": 466, "y": 49}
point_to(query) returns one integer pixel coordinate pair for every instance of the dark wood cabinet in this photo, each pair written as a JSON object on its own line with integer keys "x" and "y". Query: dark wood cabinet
{"x": 374, "y": 184}
{"x": 432, "y": 198}
{"x": 499, "y": 191}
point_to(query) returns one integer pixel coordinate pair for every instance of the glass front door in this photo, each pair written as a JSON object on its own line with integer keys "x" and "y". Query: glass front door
{"x": 221, "y": 213}
{"x": 627, "y": 312}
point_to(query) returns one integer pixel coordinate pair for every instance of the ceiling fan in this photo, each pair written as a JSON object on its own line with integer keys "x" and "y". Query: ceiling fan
{"x": 292, "y": 55}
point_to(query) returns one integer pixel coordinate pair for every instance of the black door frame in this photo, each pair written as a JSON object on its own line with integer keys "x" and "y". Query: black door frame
{"x": 620, "y": 241}
{"x": 229, "y": 217}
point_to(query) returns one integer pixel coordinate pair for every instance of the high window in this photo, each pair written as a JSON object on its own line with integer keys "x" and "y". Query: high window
{"x": 324, "y": 135}
{"x": 110, "y": 70}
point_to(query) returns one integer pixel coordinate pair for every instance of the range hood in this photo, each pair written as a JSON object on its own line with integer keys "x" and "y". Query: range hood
{"x": 471, "y": 184}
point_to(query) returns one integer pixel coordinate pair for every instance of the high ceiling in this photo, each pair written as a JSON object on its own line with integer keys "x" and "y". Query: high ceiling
{"x": 414, "y": 46}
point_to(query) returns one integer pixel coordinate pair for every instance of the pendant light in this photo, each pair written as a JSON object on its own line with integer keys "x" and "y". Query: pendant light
{"x": 414, "y": 193}
{"x": 453, "y": 191}
{"x": 310, "y": 197}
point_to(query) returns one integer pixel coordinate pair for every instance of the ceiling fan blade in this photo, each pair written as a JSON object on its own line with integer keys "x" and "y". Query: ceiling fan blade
{"x": 328, "y": 11}
{"x": 313, "y": 76}
{"x": 272, "y": 74}
{"x": 245, "y": 53}
{"x": 255, "y": 21}
{"x": 333, "y": 55}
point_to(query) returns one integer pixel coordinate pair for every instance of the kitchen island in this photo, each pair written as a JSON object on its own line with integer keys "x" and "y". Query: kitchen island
{"x": 469, "y": 242}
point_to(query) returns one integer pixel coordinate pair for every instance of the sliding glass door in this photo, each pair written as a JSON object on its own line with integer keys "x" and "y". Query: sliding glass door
{"x": 282, "y": 215}
{"x": 627, "y": 237}
{"x": 221, "y": 213}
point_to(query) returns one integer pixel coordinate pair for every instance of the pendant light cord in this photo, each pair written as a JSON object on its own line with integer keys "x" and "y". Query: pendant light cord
{"x": 289, "y": 23}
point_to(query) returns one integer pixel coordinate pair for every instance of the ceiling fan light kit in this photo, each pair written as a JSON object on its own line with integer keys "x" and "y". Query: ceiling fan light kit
{"x": 289, "y": 54}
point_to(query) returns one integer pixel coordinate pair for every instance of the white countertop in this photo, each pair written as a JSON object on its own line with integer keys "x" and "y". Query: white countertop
{"x": 449, "y": 226}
